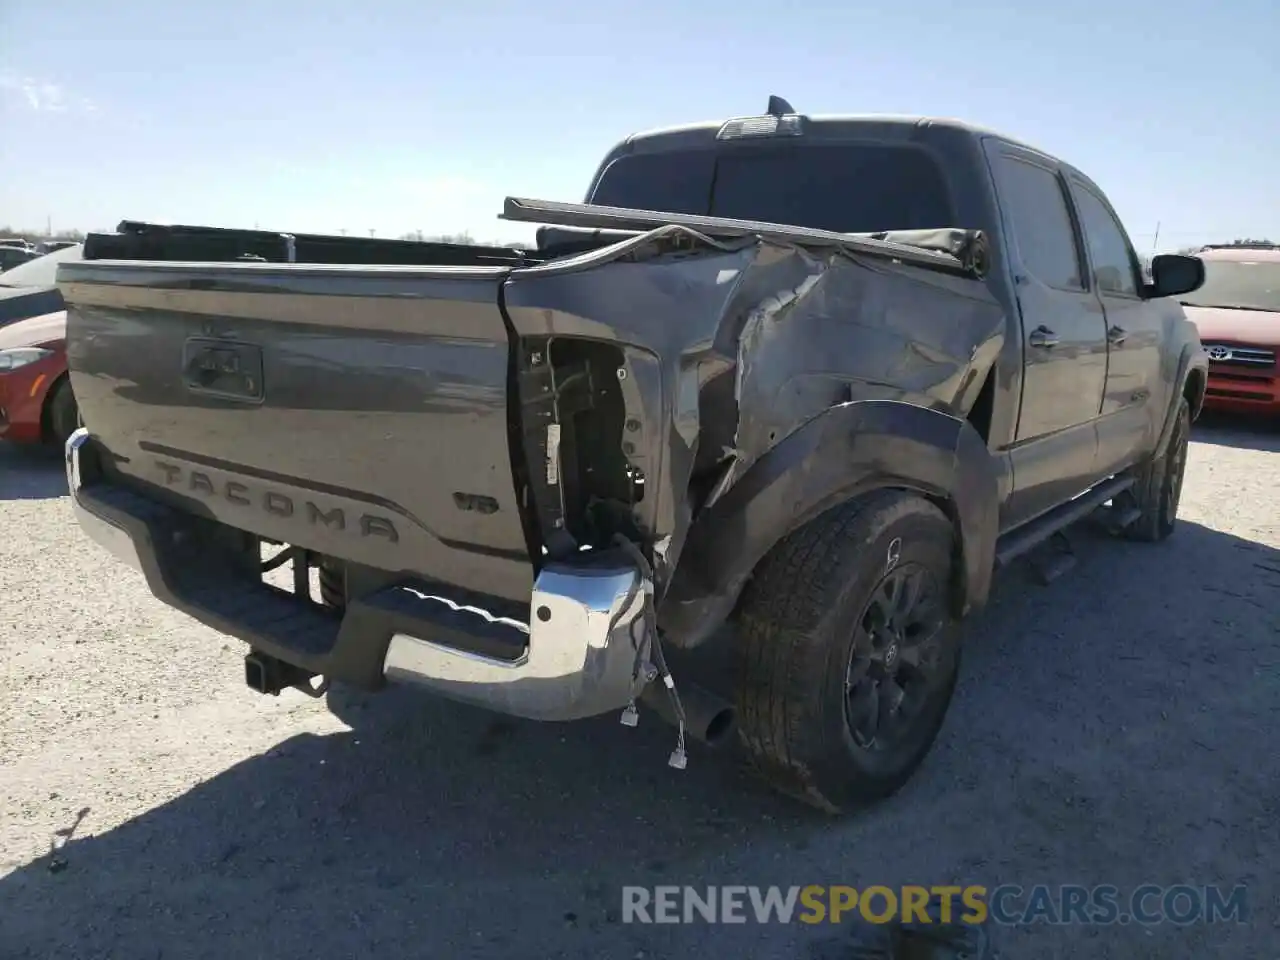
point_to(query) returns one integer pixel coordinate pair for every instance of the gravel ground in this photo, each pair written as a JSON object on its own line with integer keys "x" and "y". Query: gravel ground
{"x": 1117, "y": 727}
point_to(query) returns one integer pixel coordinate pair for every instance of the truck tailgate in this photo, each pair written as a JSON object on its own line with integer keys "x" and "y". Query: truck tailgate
{"x": 356, "y": 411}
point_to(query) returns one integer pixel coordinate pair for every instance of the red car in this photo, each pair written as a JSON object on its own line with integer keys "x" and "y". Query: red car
{"x": 36, "y": 402}
{"x": 1237, "y": 312}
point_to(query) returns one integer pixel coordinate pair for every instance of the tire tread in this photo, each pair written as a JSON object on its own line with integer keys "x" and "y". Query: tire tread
{"x": 783, "y": 608}
{"x": 1149, "y": 527}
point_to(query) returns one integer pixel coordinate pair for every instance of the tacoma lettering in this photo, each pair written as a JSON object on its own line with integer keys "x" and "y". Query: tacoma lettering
{"x": 276, "y": 503}
{"x": 334, "y": 518}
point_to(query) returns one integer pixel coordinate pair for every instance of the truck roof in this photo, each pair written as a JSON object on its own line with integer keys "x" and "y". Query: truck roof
{"x": 894, "y": 126}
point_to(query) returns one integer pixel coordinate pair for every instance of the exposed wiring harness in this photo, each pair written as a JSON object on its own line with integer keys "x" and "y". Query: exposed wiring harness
{"x": 679, "y": 758}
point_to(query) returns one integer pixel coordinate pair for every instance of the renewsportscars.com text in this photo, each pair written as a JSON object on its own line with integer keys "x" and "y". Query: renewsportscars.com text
{"x": 1007, "y": 905}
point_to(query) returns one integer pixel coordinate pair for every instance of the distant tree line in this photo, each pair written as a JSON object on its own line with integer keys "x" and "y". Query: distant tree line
{"x": 39, "y": 236}
{"x": 1239, "y": 242}
{"x": 464, "y": 237}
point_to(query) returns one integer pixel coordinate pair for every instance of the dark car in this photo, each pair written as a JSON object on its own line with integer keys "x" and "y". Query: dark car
{"x": 12, "y": 255}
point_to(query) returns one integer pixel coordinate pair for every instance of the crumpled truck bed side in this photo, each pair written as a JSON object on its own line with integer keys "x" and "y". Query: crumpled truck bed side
{"x": 723, "y": 351}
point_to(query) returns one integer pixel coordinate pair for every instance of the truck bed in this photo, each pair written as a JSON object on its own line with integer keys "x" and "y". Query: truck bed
{"x": 349, "y": 411}
{"x": 138, "y": 240}
{"x": 460, "y": 420}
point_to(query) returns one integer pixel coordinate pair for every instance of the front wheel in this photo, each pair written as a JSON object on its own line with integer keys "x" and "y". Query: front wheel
{"x": 1159, "y": 488}
{"x": 848, "y": 652}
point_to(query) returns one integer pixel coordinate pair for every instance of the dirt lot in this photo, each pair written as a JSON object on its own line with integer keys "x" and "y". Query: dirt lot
{"x": 1117, "y": 727}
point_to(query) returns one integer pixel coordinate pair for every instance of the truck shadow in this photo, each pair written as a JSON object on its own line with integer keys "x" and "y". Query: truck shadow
{"x": 31, "y": 472}
{"x": 1242, "y": 431}
{"x": 1094, "y": 719}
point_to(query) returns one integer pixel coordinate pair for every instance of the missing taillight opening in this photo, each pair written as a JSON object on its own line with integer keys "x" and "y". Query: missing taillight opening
{"x": 580, "y": 442}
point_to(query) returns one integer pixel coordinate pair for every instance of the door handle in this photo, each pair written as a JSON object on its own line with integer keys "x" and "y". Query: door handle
{"x": 1117, "y": 335}
{"x": 1042, "y": 336}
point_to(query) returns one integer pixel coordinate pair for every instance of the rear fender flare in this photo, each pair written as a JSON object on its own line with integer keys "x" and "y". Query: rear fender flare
{"x": 844, "y": 452}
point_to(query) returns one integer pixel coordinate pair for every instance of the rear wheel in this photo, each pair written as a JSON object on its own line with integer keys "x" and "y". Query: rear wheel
{"x": 1159, "y": 488}
{"x": 62, "y": 414}
{"x": 848, "y": 653}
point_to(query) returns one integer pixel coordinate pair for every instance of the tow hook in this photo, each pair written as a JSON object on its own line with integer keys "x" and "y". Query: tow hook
{"x": 267, "y": 674}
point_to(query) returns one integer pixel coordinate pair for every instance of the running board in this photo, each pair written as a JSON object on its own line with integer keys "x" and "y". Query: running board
{"x": 1056, "y": 564}
{"x": 1017, "y": 542}
{"x": 1121, "y": 518}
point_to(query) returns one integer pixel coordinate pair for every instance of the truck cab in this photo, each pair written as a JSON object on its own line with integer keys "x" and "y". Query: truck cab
{"x": 1081, "y": 380}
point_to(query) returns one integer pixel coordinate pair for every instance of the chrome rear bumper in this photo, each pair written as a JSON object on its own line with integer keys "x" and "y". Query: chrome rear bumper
{"x": 581, "y": 657}
{"x": 585, "y": 648}
{"x": 114, "y": 539}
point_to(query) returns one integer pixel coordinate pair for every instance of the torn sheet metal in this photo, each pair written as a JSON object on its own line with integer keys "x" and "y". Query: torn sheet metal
{"x": 731, "y": 345}
{"x": 937, "y": 252}
{"x": 822, "y": 330}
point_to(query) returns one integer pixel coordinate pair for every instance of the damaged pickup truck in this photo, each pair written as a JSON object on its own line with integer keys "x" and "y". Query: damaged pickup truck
{"x": 792, "y": 385}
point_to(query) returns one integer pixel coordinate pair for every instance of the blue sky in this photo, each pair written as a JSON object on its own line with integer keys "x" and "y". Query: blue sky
{"x": 395, "y": 116}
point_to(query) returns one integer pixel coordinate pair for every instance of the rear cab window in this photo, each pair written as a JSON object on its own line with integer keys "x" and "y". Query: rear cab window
{"x": 674, "y": 182}
{"x": 846, "y": 187}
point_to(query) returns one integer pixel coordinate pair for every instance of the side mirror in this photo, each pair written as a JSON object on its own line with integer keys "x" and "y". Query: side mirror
{"x": 1173, "y": 274}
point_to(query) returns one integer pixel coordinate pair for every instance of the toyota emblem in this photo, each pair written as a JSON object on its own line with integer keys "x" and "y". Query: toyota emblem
{"x": 1219, "y": 353}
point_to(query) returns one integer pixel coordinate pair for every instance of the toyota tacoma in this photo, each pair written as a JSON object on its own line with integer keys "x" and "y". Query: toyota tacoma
{"x": 789, "y": 387}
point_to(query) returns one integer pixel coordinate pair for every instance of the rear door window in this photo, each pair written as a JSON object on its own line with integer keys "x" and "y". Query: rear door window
{"x": 1032, "y": 198}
